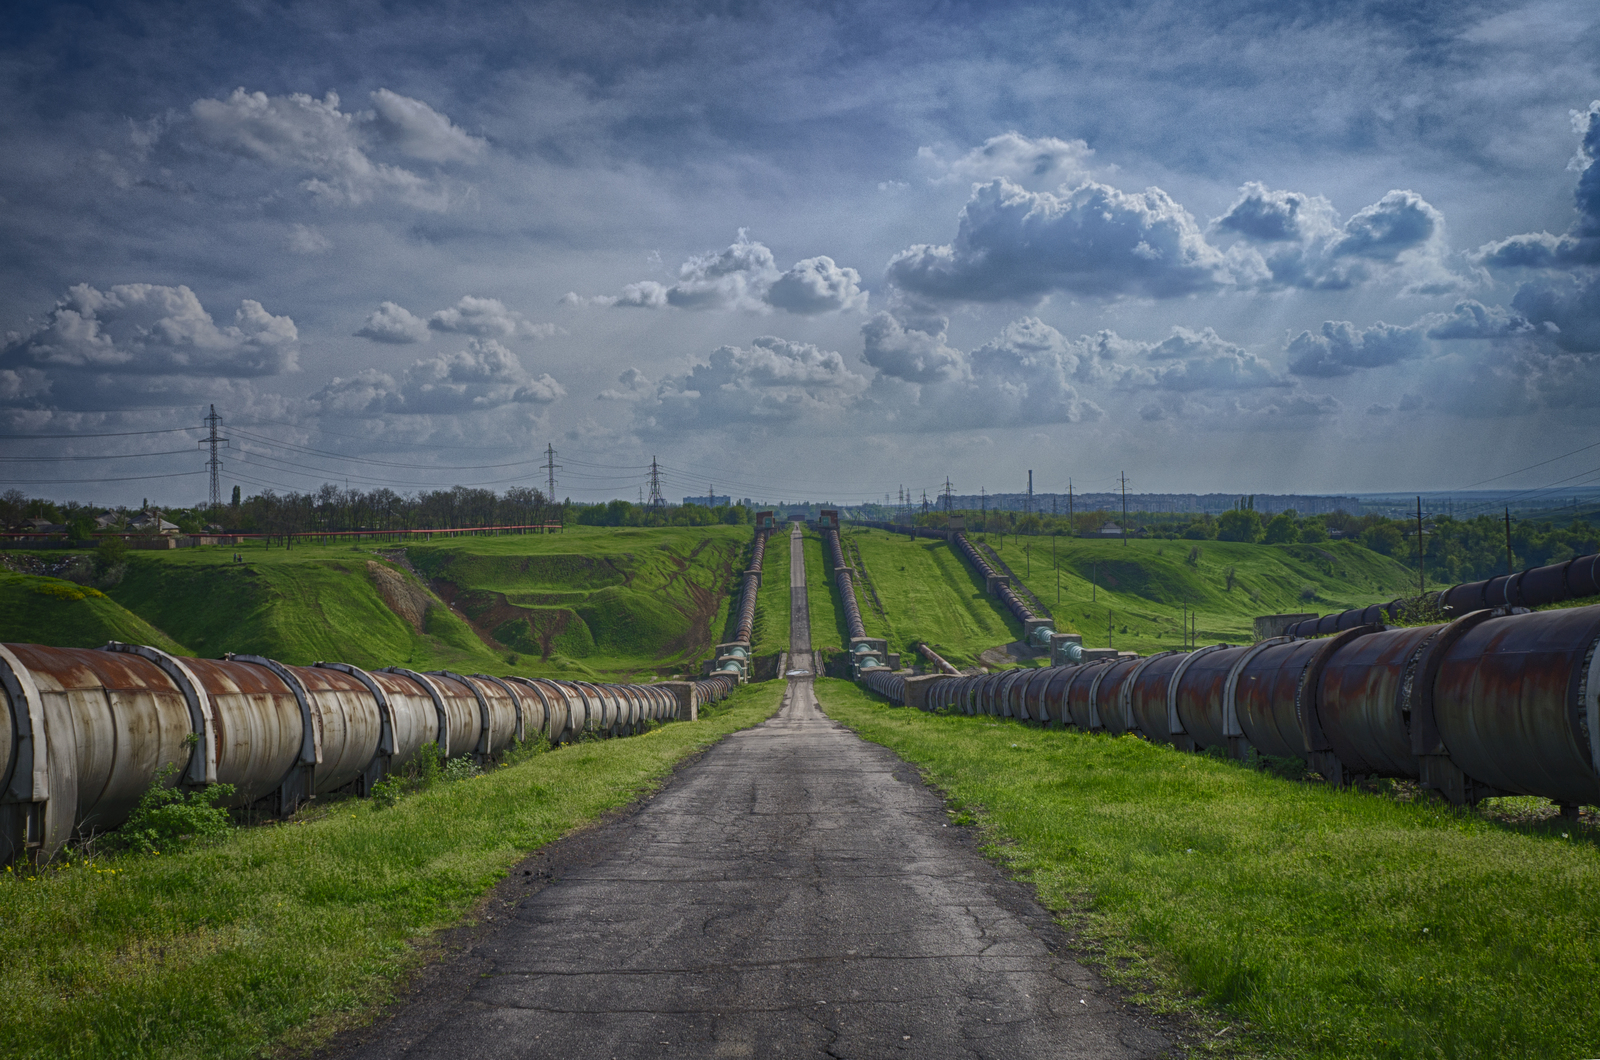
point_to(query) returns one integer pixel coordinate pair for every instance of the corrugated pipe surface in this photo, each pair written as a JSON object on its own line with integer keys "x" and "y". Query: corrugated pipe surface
{"x": 1488, "y": 704}
{"x": 1013, "y": 602}
{"x": 847, "y": 589}
{"x": 89, "y": 730}
{"x": 751, "y": 587}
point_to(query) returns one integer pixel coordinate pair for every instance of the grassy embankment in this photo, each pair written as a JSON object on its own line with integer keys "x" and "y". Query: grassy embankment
{"x": 611, "y": 602}
{"x": 930, "y": 594}
{"x": 1143, "y": 586}
{"x": 828, "y": 627}
{"x": 278, "y": 936}
{"x": 772, "y": 601}
{"x": 70, "y": 615}
{"x": 1336, "y": 923}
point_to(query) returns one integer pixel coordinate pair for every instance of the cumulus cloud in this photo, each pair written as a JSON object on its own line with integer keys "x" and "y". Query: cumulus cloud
{"x": 632, "y": 385}
{"x": 1290, "y": 239}
{"x": 1340, "y": 348}
{"x": 1580, "y": 244}
{"x": 1474, "y": 320}
{"x": 394, "y": 324}
{"x": 1014, "y": 244}
{"x": 1567, "y": 306}
{"x": 1029, "y": 161}
{"x": 330, "y": 147}
{"x": 772, "y": 381}
{"x": 1202, "y": 360}
{"x": 908, "y": 353}
{"x": 817, "y": 285}
{"x": 745, "y": 276}
{"x": 481, "y": 377}
{"x": 487, "y": 318}
{"x": 417, "y": 130}
{"x": 148, "y": 329}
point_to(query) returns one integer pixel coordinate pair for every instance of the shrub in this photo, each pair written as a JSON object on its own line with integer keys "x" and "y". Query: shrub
{"x": 462, "y": 769}
{"x": 1231, "y": 579}
{"x": 1193, "y": 559}
{"x": 1308, "y": 592}
{"x": 169, "y": 819}
{"x": 1241, "y": 524}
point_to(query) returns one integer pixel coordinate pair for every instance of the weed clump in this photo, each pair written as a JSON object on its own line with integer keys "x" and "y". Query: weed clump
{"x": 169, "y": 819}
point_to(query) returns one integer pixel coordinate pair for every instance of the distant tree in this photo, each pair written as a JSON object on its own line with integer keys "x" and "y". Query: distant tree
{"x": 1384, "y": 539}
{"x": 1241, "y": 524}
{"x": 1283, "y": 528}
{"x": 1313, "y": 531}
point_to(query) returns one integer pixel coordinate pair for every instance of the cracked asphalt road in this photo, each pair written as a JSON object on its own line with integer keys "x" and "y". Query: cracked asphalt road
{"x": 795, "y": 892}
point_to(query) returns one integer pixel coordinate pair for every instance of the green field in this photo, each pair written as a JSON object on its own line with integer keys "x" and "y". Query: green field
{"x": 1143, "y": 587}
{"x": 828, "y": 627}
{"x": 275, "y": 937}
{"x": 1336, "y": 923}
{"x": 930, "y": 594}
{"x": 593, "y": 601}
{"x": 772, "y": 601}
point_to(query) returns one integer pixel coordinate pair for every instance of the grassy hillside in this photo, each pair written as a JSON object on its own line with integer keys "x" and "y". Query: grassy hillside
{"x": 298, "y": 606}
{"x": 611, "y": 600}
{"x": 772, "y": 602}
{"x": 828, "y": 627}
{"x": 52, "y": 611}
{"x": 930, "y": 594}
{"x": 1143, "y": 587}
{"x": 593, "y": 601}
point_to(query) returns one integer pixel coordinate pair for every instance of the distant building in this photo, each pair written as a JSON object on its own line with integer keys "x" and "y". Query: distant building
{"x": 1110, "y": 530}
{"x": 151, "y": 523}
{"x": 717, "y": 501}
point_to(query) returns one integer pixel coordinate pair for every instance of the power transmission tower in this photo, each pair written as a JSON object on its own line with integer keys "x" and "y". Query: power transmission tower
{"x": 656, "y": 499}
{"x": 214, "y": 465}
{"x": 550, "y": 467}
{"x": 924, "y": 502}
{"x": 947, "y": 494}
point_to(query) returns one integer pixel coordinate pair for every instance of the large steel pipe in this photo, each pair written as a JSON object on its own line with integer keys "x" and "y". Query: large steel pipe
{"x": 1515, "y": 704}
{"x": 87, "y": 731}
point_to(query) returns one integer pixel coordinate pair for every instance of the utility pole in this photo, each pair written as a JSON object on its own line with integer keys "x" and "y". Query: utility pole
{"x": 1070, "y": 524}
{"x": 983, "y": 497}
{"x": 1108, "y": 631}
{"x": 1030, "y": 491}
{"x": 214, "y": 465}
{"x": 1508, "y": 540}
{"x": 1422, "y": 581}
{"x": 550, "y": 469}
{"x": 1094, "y": 582}
{"x": 1057, "y": 567}
{"x": 656, "y": 499}
{"x": 1186, "y": 623}
{"x": 1124, "y": 508}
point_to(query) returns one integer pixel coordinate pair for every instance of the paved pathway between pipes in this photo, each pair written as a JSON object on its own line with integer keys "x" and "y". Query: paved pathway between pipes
{"x": 797, "y": 892}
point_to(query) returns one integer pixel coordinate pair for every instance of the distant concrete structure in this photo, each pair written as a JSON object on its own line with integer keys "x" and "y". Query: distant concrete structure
{"x": 766, "y": 520}
{"x": 828, "y": 518}
{"x": 1267, "y": 626}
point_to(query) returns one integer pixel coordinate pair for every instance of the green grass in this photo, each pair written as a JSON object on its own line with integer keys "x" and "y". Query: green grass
{"x": 1144, "y": 585}
{"x": 772, "y": 601}
{"x": 593, "y": 602}
{"x": 930, "y": 594}
{"x": 828, "y": 626}
{"x": 281, "y": 934}
{"x": 1337, "y": 923}
{"x": 53, "y": 611}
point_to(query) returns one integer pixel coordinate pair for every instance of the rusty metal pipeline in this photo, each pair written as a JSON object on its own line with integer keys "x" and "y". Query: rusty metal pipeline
{"x": 847, "y": 593}
{"x": 88, "y": 731}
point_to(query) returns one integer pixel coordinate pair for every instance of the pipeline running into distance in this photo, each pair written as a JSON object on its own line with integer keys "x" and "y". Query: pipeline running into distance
{"x": 752, "y": 585}
{"x": 89, "y": 730}
{"x": 1488, "y": 704}
{"x": 847, "y": 592}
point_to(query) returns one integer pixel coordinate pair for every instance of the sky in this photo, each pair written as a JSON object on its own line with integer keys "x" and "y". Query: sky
{"x": 822, "y": 251}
